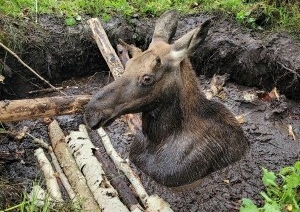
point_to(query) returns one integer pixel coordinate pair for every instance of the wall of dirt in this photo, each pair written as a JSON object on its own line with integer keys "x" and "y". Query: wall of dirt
{"x": 59, "y": 52}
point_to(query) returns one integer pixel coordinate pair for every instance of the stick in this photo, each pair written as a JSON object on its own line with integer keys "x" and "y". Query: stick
{"x": 16, "y": 110}
{"x": 30, "y": 69}
{"x": 45, "y": 90}
{"x": 116, "y": 178}
{"x": 82, "y": 149}
{"x": 152, "y": 203}
{"x": 71, "y": 170}
{"x": 64, "y": 180}
{"x": 106, "y": 49}
{"x": 51, "y": 182}
{"x": 60, "y": 172}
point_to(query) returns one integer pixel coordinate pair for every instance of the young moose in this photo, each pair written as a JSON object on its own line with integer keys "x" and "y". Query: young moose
{"x": 184, "y": 135}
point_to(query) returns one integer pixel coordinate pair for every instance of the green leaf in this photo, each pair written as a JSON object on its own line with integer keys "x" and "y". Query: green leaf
{"x": 248, "y": 206}
{"x": 2, "y": 130}
{"x": 271, "y": 207}
{"x": 293, "y": 181}
{"x": 70, "y": 21}
{"x": 266, "y": 197}
{"x": 268, "y": 178}
{"x": 297, "y": 166}
{"x": 286, "y": 170}
{"x": 106, "y": 17}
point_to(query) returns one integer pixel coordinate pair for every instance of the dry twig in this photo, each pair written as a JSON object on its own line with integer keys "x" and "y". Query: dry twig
{"x": 34, "y": 72}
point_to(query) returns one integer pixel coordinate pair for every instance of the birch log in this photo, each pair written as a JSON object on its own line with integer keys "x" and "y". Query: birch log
{"x": 16, "y": 110}
{"x": 152, "y": 203}
{"x": 57, "y": 167}
{"x": 82, "y": 149}
{"x": 51, "y": 181}
{"x": 71, "y": 169}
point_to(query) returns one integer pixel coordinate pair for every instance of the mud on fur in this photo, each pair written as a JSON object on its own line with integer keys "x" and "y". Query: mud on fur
{"x": 184, "y": 136}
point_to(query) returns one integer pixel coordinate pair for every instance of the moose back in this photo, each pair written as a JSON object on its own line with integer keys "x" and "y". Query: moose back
{"x": 184, "y": 136}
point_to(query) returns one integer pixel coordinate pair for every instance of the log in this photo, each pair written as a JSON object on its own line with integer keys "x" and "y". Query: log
{"x": 117, "y": 179}
{"x": 82, "y": 149}
{"x": 16, "y": 110}
{"x": 62, "y": 176}
{"x": 105, "y": 47}
{"x": 152, "y": 203}
{"x": 50, "y": 178}
{"x": 70, "y": 168}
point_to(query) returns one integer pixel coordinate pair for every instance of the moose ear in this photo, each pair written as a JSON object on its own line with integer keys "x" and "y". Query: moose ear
{"x": 165, "y": 26}
{"x": 187, "y": 44}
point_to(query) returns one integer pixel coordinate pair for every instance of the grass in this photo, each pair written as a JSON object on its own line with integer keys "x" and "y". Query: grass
{"x": 12, "y": 193}
{"x": 282, "y": 191}
{"x": 257, "y": 14}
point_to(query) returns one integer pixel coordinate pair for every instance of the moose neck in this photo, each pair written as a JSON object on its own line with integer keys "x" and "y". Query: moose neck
{"x": 171, "y": 112}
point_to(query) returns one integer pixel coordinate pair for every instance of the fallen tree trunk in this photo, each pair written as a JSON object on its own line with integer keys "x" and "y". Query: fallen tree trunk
{"x": 70, "y": 168}
{"x": 82, "y": 149}
{"x": 117, "y": 179}
{"x": 16, "y": 110}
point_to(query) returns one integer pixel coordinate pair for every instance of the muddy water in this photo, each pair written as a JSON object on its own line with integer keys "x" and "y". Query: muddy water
{"x": 266, "y": 127}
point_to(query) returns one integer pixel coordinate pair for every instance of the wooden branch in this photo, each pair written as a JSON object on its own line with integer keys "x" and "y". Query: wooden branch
{"x": 64, "y": 180}
{"x": 45, "y": 90}
{"x": 82, "y": 149}
{"x": 30, "y": 69}
{"x": 70, "y": 168}
{"x": 116, "y": 178}
{"x": 51, "y": 182}
{"x": 151, "y": 203}
{"x": 16, "y": 110}
{"x": 106, "y": 49}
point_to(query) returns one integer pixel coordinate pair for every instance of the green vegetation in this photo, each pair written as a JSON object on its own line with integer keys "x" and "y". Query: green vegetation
{"x": 272, "y": 14}
{"x": 282, "y": 191}
{"x": 38, "y": 201}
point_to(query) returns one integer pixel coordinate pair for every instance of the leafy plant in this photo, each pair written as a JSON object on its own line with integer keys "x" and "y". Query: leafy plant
{"x": 282, "y": 191}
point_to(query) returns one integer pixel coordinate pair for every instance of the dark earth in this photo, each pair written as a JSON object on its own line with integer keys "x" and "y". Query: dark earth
{"x": 257, "y": 62}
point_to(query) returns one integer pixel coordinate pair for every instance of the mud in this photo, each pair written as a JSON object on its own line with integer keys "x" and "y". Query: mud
{"x": 266, "y": 127}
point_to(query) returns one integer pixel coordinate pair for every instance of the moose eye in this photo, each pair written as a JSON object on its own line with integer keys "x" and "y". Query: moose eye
{"x": 147, "y": 79}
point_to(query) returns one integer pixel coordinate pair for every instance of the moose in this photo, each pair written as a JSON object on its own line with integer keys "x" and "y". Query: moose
{"x": 184, "y": 136}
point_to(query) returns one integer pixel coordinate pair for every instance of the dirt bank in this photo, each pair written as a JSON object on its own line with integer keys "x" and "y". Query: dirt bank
{"x": 59, "y": 52}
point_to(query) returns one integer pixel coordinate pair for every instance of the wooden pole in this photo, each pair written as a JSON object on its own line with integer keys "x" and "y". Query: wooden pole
{"x": 105, "y": 47}
{"x": 16, "y": 110}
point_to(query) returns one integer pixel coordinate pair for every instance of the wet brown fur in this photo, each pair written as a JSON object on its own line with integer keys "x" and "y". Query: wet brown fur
{"x": 184, "y": 136}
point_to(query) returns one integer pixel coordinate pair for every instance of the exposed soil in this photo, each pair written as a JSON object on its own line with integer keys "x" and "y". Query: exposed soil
{"x": 253, "y": 60}
{"x": 266, "y": 128}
